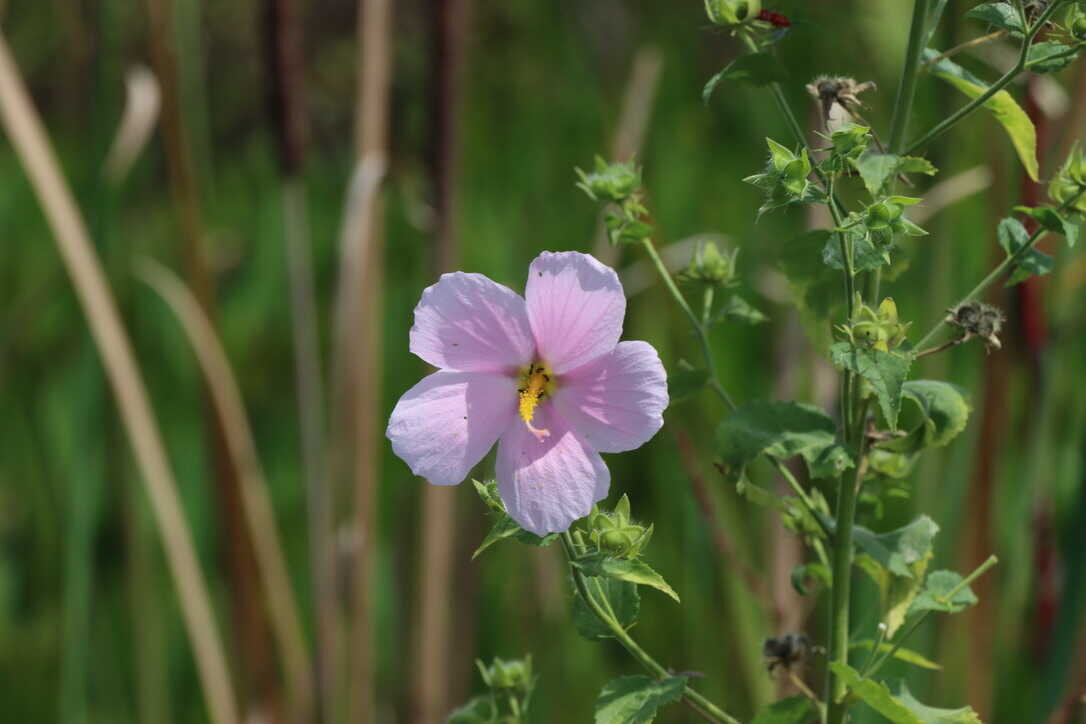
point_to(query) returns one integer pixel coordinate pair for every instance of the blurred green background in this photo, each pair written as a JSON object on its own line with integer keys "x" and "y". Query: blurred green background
{"x": 488, "y": 115}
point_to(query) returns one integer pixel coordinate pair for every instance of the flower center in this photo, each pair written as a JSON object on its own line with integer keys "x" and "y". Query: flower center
{"x": 536, "y": 384}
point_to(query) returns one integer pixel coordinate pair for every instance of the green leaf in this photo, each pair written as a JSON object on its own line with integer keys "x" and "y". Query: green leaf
{"x": 865, "y": 255}
{"x": 875, "y": 694}
{"x": 741, "y": 310}
{"x": 623, "y": 569}
{"x": 898, "y": 550}
{"x": 875, "y": 169}
{"x": 1050, "y": 56}
{"x": 685, "y": 383}
{"x": 503, "y": 526}
{"x": 1012, "y": 237}
{"x": 623, "y": 598}
{"x": 916, "y": 164}
{"x": 902, "y": 654}
{"x": 1050, "y": 219}
{"x": 757, "y": 69}
{"x": 480, "y": 710}
{"x": 884, "y": 371}
{"x": 781, "y": 429}
{"x": 938, "y": 414}
{"x": 931, "y": 715}
{"x": 1000, "y": 15}
{"x": 1032, "y": 263}
{"x": 820, "y": 572}
{"x": 1002, "y": 105}
{"x": 793, "y": 710}
{"x": 636, "y": 699}
{"x": 935, "y": 594}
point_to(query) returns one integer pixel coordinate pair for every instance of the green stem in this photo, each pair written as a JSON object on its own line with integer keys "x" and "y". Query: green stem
{"x": 906, "y": 90}
{"x": 842, "y": 584}
{"x": 996, "y": 273}
{"x": 980, "y": 571}
{"x": 947, "y": 123}
{"x": 705, "y": 707}
{"x": 699, "y": 328}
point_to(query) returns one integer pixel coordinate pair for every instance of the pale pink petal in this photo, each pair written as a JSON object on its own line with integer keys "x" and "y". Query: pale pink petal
{"x": 576, "y": 306}
{"x": 548, "y": 483}
{"x": 468, "y": 322}
{"x": 443, "y": 426}
{"x": 616, "y": 403}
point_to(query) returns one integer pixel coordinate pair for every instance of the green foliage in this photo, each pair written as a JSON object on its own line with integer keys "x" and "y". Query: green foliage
{"x": 623, "y": 569}
{"x": 1068, "y": 186}
{"x": 943, "y": 591}
{"x": 636, "y": 699}
{"x": 708, "y": 267}
{"x": 898, "y": 551}
{"x": 1013, "y": 237}
{"x": 785, "y": 179}
{"x": 1050, "y": 56}
{"x": 900, "y": 653}
{"x": 758, "y": 69}
{"x": 793, "y": 710}
{"x": 885, "y": 372}
{"x": 1001, "y": 15}
{"x": 783, "y": 430}
{"x": 510, "y": 683}
{"x": 739, "y": 309}
{"x": 931, "y": 715}
{"x": 1049, "y": 218}
{"x": 941, "y": 413}
{"x": 503, "y": 526}
{"x": 623, "y": 600}
{"x": 877, "y": 168}
{"x": 615, "y": 533}
{"x": 902, "y": 708}
{"x": 1002, "y": 105}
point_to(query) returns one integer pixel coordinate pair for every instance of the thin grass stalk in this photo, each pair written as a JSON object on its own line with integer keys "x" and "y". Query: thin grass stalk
{"x": 280, "y": 598}
{"x": 28, "y": 139}
{"x": 633, "y": 123}
{"x": 433, "y": 642}
{"x": 357, "y": 372}
{"x": 283, "y": 44}
{"x": 248, "y": 623}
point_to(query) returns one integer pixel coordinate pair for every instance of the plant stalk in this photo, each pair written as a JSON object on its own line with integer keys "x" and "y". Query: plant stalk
{"x": 699, "y": 703}
{"x": 947, "y": 123}
{"x": 996, "y": 273}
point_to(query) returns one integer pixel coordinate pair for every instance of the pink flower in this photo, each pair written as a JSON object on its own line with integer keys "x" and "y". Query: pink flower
{"x": 544, "y": 376}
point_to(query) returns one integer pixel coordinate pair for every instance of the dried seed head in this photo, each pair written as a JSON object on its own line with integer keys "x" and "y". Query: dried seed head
{"x": 839, "y": 98}
{"x": 977, "y": 319}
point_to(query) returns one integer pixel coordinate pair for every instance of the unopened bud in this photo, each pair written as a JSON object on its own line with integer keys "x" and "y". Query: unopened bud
{"x": 615, "y": 533}
{"x": 1069, "y": 184}
{"x": 610, "y": 181}
{"x": 709, "y": 266}
{"x": 732, "y": 12}
{"x": 513, "y": 675}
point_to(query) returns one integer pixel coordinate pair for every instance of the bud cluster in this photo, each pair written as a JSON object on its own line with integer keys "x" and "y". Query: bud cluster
{"x": 513, "y": 676}
{"x": 619, "y": 186}
{"x": 1069, "y": 184}
{"x": 710, "y": 267}
{"x": 876, "y": 328}
{"x": 615, "y": 534}
{"x": 786, "y": 178}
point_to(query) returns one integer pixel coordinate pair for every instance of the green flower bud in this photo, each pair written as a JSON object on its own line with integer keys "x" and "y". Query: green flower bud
{"x": 709, "y": 266}
{"x": 515, "y": 675}
{"x": 1069, "y": 184}
{"x": 610, "y": 181}
{"x": 878, "y": 328}
{"x": 615, "y": 533}
{"x": 732, "y": 12}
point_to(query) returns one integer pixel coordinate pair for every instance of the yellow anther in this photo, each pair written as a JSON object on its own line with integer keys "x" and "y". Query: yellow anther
{"x": 536, "y": 384}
